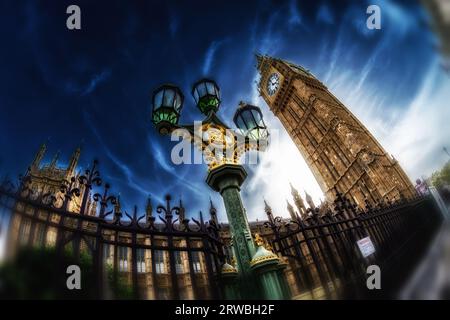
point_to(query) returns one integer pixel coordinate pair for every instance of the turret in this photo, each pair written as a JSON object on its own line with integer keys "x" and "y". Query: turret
{"x": 267, "y": 208}
{"x": 148, "y": 210}
{"x": 39, "y": 156}
{"x": 213, "y": 213}
{"x": 268, "y": 211}
{"x": 310, "y": 201}
{"x": 117, "y": 210}
{"x": 298, "y": 201}
{"x": 73, "y": 162}
{"x": 182, "y": 212}
{"x": 55, "y": 160}
{"x": 291, "y": 211}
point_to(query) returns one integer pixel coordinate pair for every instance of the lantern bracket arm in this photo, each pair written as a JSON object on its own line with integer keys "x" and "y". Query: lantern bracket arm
{"x": 212, "y": 118}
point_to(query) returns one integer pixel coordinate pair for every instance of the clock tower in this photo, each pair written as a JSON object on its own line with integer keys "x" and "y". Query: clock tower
{"x": 338, "y": 149}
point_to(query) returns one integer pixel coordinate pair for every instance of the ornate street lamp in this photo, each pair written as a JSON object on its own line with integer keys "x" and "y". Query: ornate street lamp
{"x": 222, "y": 148}
{"x": 167, "y": 103}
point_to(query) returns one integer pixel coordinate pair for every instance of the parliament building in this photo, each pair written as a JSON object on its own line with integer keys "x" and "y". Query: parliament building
{"x": 153, "y": 276}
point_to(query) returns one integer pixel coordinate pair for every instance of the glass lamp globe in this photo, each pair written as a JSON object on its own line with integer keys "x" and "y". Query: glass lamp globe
{"x": 167, "y": 104}
{"x": 249, "y": 120}
{"x": 206, "y": 95}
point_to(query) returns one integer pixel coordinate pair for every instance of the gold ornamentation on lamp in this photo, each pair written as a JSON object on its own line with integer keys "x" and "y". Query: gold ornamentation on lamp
{"x": 259, "y": 240}
{"x": 262, "y": 254}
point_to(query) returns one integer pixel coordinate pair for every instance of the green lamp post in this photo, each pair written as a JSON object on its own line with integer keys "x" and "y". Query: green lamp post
{"x": 222, "y": 148}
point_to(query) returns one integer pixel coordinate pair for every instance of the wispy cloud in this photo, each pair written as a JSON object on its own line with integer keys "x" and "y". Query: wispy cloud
{"x": 96, "y": 79}
{"x": 325, "y": 15}
{"x": 414, "y": 130}
{"x": 126, "y": 171}
{"x": 265, "y": 37}
{"x": 163, "y": 162}
{"x": 423, "y": 129}
{"x": 396, "y": 20}
{"x": 77, "y": 87}
{"x": 210, "y": 54}
{"x": 159, "y": 156}
{"x": 295, "y": 18}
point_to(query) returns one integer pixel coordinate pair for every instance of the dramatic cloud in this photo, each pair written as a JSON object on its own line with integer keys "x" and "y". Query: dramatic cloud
{"x": 52, "y": 77}
{"x": 325, "y": 15}
{"x": 95, "y": 81}
{"x": 209, "y": 56}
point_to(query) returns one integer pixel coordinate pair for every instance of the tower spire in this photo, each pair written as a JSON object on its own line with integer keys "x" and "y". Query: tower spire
{"x": 309, "y": 200}
{"x": 55, "y": 160}
{"x": 73, "y": 161}
{"x": 148, "y": 209}
{"x": 298, "y": 201}
{"x": 267, "y": 208}
{"x": 291, "y": 210}
{"x": 117, "y": 209}
{"x": 213, "y": 212}
{"x": 181, "y": 212}
{"x": 268, "y": 211}
{"x": 259, "y": 60}
{"x": 39, "y": 156}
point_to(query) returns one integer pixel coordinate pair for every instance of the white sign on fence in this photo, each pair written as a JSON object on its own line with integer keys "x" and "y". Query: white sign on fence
{"x": 366, "y": 246}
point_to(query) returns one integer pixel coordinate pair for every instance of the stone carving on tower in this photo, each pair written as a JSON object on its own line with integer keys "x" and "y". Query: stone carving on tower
{"x": 341, "y": 153}
{"x": 48, "y": 178}
{"x": 291, "y": 210}
{"x": 299, "y": 202}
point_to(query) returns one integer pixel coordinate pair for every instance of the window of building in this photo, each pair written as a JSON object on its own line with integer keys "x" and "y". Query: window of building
{"x": 51, "y": 237}
{"x": 140, "y": 260}
{"x": 40, "y": 233}
{"x": 160, "y": 266}
{"x": 123, "y": 259}
{"x": 178, "y": 262}
{"x": 107, "y": 253}
{"x": 24, "y": 231}
{"x": 196, "y": 262}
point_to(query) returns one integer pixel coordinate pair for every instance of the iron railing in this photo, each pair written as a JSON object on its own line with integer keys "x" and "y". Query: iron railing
{"x": 103, "y": 232}
{"x": 322, "y": 249}
{"x": 323, "y": 253}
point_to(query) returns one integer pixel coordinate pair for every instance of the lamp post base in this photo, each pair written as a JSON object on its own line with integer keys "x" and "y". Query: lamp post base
{"x": 272, "y": 280}
{"x": 260, "y": 273}
{"x": 227, "y": 180}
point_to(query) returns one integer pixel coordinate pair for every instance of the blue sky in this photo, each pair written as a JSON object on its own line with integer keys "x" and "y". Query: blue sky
{"x": 93, "y": 86}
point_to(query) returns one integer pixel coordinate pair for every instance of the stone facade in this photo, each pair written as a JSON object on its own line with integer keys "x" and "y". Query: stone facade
{"x": 339, "y": 150}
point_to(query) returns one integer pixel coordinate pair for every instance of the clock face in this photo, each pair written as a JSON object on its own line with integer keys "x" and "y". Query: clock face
{"x": 273, "y": 83}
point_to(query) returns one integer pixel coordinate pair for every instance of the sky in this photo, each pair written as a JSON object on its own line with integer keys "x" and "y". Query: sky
{"x": 93, "y": 86}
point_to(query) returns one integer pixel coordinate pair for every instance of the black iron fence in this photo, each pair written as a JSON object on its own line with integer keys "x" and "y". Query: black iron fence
{"x": 160, "y": 255}
{"x": 164, "y": 255}
{"x": 323, "y": 250}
